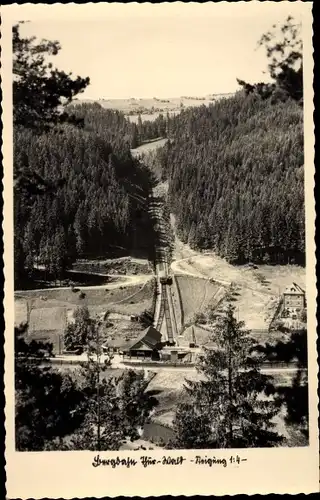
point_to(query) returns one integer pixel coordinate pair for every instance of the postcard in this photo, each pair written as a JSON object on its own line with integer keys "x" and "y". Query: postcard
{"x": 159, "y": 249}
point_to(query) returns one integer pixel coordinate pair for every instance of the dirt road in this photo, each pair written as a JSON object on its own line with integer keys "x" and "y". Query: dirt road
{"x": 124, "y": 280}
{"x": 258, "y": 289}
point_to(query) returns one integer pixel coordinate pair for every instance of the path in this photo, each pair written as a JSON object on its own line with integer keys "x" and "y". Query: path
{"x": 124, "y": 280}
{"x": 117, "y": 362}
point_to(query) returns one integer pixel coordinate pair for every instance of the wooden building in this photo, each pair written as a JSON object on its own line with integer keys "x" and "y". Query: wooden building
{"x": 146, "y": 345}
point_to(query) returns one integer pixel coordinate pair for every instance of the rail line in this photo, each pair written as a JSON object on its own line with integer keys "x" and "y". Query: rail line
{"x": 164, "y": 308}
{"x": 167, "y": 314}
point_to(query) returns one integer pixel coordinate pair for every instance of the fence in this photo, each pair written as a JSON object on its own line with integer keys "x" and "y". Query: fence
{"x": 158, "y": 364}
{"x": 272, "y": 365}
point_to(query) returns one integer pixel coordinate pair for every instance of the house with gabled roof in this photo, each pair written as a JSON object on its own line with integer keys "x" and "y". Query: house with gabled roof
{"x": 294, "y": 297}
{"x": 145, "y": 345}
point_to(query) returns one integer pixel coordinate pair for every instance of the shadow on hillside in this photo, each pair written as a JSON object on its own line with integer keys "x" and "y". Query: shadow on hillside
{"x": 40, "y": 279}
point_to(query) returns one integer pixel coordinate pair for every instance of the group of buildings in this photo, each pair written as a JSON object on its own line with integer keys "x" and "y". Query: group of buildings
{"x": 149, "y": 344}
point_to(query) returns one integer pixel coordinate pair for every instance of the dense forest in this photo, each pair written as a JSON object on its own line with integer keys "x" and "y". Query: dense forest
{"x": 78, "y": 192}
{"x": 114, "y": 127}
{"x": 236, "y": 178}
{"x": 100, "y": 202}
{"x": 235, "y": 168}
{"x": 236, "y": 185}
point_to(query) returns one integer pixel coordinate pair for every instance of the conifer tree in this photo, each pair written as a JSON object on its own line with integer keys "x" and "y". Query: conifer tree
{"x": 45, "y": 400}
{"x": 230, "y": 406}
{"x": 115, "y": 408}
{"x": 81, "y": 331}
{"x": 39, "y": 90}
{"x": 284, "y": 52}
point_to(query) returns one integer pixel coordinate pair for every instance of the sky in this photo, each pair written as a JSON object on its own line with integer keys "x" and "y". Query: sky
{"x": 163, "y": 50}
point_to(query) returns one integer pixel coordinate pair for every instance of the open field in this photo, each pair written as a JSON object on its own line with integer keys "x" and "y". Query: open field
{"x": 48, "y": 318}
{"x": 258, "y": 290}
{"x": 50, "y": 306}
{"x": 150, "y": 108}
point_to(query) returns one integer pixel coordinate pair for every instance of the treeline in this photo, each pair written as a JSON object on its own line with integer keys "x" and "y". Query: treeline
{"x": 236, "y": 178}
{"x": 99, "y": 200}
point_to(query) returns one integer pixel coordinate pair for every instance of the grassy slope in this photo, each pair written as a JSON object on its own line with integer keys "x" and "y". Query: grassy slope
{"x": 256, "y": 300}
{"x": 129, "y": 265}
{"x": 196, "y": 294}
{"x": 129, "y": 300}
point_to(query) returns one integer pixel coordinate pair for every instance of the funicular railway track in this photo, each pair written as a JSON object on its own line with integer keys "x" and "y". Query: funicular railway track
{"x": 164, "y": 319}
{"x": 166, "y": 314}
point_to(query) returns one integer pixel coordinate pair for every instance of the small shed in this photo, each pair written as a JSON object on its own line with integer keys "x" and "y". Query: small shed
{"x": 146, "y": 345}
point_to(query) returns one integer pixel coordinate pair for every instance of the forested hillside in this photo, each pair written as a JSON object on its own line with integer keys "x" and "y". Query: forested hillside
{"x": 77, "y": 190}
{"x": 236, "y": 178}
{"x": 116, "y": 128}
{"x": 100, "y": 201}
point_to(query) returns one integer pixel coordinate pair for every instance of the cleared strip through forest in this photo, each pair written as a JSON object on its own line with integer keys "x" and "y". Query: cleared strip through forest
{"x": 164, "y": 306}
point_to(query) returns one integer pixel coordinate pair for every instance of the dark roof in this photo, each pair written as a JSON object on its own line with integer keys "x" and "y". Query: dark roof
{"x": 118, "y": 342}
{"x": 299, "y": 288}
{"x": 294, "y": 289}
{"x": 150, "y": 337}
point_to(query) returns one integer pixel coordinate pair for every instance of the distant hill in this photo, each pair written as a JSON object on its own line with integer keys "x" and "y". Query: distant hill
{"x": 150, "y": 108}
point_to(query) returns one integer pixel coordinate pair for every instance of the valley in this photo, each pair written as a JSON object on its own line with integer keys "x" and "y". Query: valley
{"x": 200, "y": 280}
{"x": 158, "y": 254}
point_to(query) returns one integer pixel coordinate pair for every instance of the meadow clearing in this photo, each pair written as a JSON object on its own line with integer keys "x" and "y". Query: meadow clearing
{"x": 195, "y": 295}
{"x": 257, "y": 290}
{"x": 49, "y": 311}
{"x": 149, "y": 108}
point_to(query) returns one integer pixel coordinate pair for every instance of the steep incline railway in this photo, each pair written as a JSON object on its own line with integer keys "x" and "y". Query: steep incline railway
{"x": 164, "y": 319}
